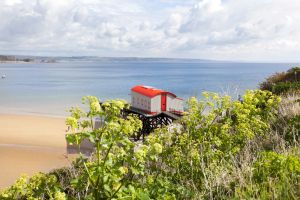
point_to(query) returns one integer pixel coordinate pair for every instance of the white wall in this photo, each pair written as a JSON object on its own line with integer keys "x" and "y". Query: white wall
{"x": 170, "y": 105}
{"x": 174, "y": 103}
{"x": 156, "y": 104}
{"x": 140, "y": 101}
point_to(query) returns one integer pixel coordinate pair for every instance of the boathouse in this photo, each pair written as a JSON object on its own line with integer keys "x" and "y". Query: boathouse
{"x": 153, "y": 101}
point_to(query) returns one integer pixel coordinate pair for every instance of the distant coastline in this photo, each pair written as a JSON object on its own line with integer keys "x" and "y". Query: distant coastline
{"x": 55, "y": 59}
{"x": 24, "y": 59}
{"x": 17, "y": 62}
{"x": 62, "y": 59}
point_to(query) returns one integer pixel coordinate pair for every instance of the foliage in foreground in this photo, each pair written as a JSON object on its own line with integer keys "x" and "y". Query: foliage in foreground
{"x": 39, "y": 186}
{"x": 221, "y": 149}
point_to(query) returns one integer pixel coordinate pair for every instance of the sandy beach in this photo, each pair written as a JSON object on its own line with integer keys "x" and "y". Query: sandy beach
{"x": 29, "y": 144}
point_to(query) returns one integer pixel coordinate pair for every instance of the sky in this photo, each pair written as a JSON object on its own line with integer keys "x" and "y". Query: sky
{"x": 248, "y": 30}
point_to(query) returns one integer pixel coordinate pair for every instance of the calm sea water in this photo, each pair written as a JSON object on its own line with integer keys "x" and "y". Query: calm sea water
{"x": 52, "y": 88}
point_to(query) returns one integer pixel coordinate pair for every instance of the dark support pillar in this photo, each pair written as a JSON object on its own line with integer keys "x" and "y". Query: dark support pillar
{"x": 150, "y": 122}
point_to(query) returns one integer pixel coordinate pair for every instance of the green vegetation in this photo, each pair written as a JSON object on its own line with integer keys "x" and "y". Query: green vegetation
{"x": 221, "y": 149}
{"x": 284, "y": 82}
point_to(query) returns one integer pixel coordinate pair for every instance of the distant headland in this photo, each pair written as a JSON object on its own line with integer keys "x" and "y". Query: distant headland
{"x": 25, "y": 59}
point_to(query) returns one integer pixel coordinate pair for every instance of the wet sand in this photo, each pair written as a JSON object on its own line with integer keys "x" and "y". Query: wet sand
{"x": 29, "y": 144}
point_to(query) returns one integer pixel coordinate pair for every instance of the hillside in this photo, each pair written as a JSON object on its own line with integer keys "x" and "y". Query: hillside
{"x": 221, "y": 149}
{"x": 283, "y": 82}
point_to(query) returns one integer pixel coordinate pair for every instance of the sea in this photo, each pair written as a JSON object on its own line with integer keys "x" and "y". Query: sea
{"x": 53, "y": 88}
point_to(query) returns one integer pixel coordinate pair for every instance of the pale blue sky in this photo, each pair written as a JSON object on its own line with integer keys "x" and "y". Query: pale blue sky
{"x": 256, "y": 30}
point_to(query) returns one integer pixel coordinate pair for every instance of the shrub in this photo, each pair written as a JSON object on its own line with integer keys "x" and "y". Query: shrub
{"x": 39, "y": 186}
{"x": 275, "y": 176}
{"x": 284, "y": 82}
{"x": 285, "y": 87}
{"x": 214, "y": 131}
{"x": 117, "y": 167}
{"x": 274, "y": 165}
{"x": 211, "y": 153}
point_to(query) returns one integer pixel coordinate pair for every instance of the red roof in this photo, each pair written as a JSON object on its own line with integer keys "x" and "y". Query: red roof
{"x": 149, "y": 91}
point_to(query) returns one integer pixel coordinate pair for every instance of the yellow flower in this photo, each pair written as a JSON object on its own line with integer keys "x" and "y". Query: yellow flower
{"x": 95, "y": 107}
{"x": 157, "y": 148}
{"x": 123, "y": 170}
{"x": 60, "y": 196}
{"x": 72, "y": 122}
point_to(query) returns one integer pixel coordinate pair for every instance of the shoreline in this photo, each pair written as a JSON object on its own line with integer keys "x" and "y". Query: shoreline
{"x": 30, "y": 144}
{"x": 34, "y": 114}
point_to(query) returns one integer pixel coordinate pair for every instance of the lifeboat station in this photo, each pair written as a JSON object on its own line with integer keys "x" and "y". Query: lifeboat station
{"x": 154, "y": 107}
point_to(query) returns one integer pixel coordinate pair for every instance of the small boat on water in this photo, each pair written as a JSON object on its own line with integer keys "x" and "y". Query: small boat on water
{"x": 3, "y": 76}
